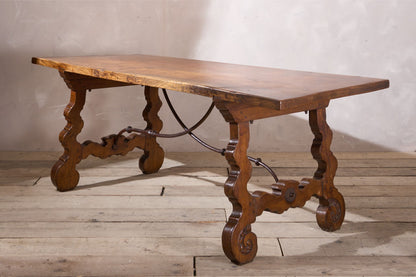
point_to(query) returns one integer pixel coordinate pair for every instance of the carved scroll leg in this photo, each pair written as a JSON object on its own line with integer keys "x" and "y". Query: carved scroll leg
{"x": 64, "y": 175}
{"x": 331, "y": 211}
{"x": 238, "y": 242}
{"x": 152, "y": 159}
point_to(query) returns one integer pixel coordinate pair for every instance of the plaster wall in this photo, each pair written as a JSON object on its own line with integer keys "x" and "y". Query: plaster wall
{"x": 375, "y": 38}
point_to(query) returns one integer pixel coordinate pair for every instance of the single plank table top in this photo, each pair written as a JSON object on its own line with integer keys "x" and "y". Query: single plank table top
{"x": 274, "y": 88}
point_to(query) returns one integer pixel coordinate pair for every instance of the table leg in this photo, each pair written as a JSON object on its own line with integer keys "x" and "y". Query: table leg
{"x": 64, "y": 174}
{"x": 331, "y": 211}
{"x": 153, "y": 156}
{"x": 238, "y": 242}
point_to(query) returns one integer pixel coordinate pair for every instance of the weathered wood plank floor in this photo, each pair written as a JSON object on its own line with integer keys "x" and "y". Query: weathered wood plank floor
{"x": 119, "y": 222}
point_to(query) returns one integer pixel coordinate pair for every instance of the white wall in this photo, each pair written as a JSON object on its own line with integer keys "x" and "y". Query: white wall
{"x": 375, "y": 38}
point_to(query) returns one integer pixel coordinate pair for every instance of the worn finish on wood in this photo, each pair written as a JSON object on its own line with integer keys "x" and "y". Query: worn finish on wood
{"x": 246, "y": 112}
{"x": 191, "y": 202}
{"x": 100, "y": 265}
{"x": 328, "y": 247}
{"x": 165, "y": 229}
{"x": 239, "y": 243}
{"x": 81, "y": 82}
{"x": 64, "y": 174}
{"x": 152, "y": 158}
{"x": 331, "y": 211}
{"x": 110, "y": 215}
{"x": 91, "y": 223}
{"x": 310, "y": 266}
{"x": 242, "y": 94}
{"x": 256, "y": 86}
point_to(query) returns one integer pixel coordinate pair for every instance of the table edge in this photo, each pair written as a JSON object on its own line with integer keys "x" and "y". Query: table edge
{"x": 153, "y": 81}
{"x": 219, "y": 93}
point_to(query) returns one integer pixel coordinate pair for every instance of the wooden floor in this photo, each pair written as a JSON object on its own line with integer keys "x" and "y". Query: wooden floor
{"x": 122, "y": 223}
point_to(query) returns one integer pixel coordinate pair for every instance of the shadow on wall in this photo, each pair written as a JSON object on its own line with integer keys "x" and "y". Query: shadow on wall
{"x": 35, "y": 97}
{"x": 292, "y": 134}
{"x": 286, "y": 133}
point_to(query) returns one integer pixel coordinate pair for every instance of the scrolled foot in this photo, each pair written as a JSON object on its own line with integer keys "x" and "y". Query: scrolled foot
{"x": 151, "y": 161}
{"x": 239, "y": 244}
{"x": 64, "y": 176}
{"x": 330, "y": 213}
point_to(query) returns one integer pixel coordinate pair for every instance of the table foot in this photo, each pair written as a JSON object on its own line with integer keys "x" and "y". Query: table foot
{"x": 239, "y": 242}
{"x": 64, "y": 176}
{"x": 331, "y": 211}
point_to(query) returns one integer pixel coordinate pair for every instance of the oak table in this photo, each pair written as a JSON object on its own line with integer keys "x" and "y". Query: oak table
{"x": 241, "y": 94}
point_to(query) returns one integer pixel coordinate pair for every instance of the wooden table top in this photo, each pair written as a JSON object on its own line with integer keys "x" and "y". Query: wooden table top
{"x": 279, "y": 89}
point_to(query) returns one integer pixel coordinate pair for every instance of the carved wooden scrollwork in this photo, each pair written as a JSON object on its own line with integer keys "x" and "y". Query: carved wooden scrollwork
{"x": 112, "y": 145}
{"x": 239, "y": 242}
{"x": 331, "y": 211}
{"x": 153, "y": 156}
{"x": 64, "y": 174}
{"x": 285, "y": 194}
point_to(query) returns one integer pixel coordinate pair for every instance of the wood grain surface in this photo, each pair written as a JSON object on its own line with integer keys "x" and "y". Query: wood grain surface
{"x": 258, "y": 86}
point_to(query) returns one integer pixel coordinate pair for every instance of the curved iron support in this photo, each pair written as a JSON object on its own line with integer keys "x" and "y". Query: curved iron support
{"x": 188, "y": 131}
{"x": 130, "y": 129}
{"x": 257, "y": 161}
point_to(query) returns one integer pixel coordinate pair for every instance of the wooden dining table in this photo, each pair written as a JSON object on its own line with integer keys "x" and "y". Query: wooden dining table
{"x": 242, "y": 94}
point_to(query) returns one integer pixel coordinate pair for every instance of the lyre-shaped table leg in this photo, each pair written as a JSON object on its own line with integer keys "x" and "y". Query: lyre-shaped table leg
{"x": 64, "y": 174}
{"x": 239, "y": 243}
{"x": 152, "y": 158}
{"x": 331, "y": 211}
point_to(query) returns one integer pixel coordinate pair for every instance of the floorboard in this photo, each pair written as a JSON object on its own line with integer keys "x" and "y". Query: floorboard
{"x": 309, "y": 266}
{"x": 119, "y": 222}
